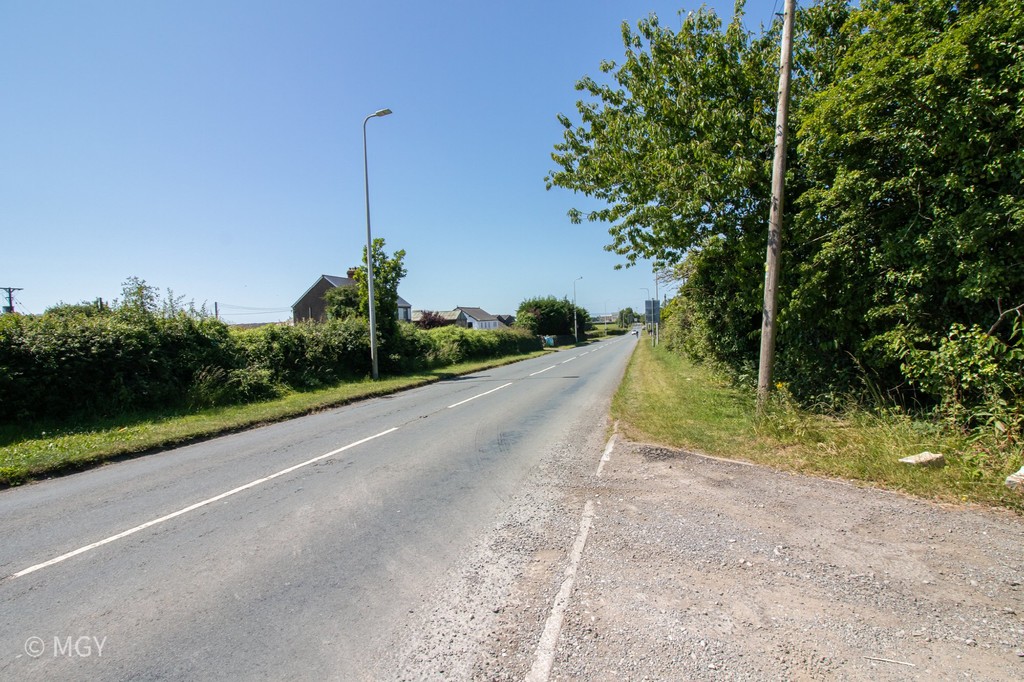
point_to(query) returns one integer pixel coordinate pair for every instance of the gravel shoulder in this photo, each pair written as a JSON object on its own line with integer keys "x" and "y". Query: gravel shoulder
{"x": 705, "y": 569}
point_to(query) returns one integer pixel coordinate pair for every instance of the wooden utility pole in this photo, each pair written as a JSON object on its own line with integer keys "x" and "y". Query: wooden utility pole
{"x": 771, "y": 265}
{"x": 9, "y": 308}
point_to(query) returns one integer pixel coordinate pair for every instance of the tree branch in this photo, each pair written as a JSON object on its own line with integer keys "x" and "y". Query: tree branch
{"x": 1003, "y": 315}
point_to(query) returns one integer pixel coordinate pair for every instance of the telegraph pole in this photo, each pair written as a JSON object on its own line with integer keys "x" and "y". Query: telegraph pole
{"x": 9, "y": 308}
{"x": 771, "y": 265}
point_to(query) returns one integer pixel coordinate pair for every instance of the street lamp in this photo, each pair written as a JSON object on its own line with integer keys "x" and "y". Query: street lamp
{"x": 575, "y": 331}
{"x": 369, "y": 247}
{"x": 645, "y": 304}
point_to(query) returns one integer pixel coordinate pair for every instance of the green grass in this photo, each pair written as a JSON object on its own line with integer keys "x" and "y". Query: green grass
{"x": 31, "y": 451}
{"x": 668, "y": 400}
{"x": 663, "y": 398}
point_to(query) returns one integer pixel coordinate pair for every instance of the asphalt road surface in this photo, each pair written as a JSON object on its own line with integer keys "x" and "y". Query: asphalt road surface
{"x": 292, "y": 551}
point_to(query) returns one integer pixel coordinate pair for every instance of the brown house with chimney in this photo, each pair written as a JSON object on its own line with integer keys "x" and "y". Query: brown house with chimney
{"x": 311, "y": 306}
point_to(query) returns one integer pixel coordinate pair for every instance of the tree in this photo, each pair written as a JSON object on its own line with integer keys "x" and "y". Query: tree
{"x": 916, "y": 211}
{"x": 138, "y": 299}
{"x": 387, "y": 273}
{"x": 679, "y": 145}
{"x": 905, "y": 172}
{"x": 342, "y": 303}
{"x": 549, "y": 316}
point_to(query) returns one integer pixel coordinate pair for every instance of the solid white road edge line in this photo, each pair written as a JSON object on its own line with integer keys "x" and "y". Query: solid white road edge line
{"x": 480, "y": 395}
{"x": 193, "y": 507}
{"x": 544, "y": 657}
{"x": 607, "y": 456}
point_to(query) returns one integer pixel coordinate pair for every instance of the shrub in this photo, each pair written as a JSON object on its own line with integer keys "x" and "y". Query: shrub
{"x": 308, "y": 354}
{"x": 977, "y": 378}
{"x": 66, "y": 364}
{"x": 406, "y": 349}
{"x": 74, "y": 363}
{"x": 451, "y": 345}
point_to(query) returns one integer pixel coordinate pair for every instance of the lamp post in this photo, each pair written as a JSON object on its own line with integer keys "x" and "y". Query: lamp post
{"x": 645, "y": 303}
{"x": 575, "y": 331}
{"x": 369, "y": 247}
{"x": 656, "y": 318}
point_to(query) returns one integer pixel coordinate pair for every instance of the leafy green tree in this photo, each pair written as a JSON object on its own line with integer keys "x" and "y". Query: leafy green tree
{"x": 627, "y": 316}
{"x": 549, "y": 316}
{"x": 342, "y": 303}
{"x": 679, "y": 143}
{"x": 138, "y": 299}
{"x": 387, "y": 273}
{"x": 915, "y": 211}
{"x": 904, "y": 239}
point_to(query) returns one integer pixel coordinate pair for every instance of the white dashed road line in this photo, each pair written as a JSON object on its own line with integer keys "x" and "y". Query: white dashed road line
{"x": 193, "y": 507}
{"x": 480, "y": 395}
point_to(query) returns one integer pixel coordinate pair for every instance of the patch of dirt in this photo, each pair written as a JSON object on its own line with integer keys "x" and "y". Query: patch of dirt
{"x": 704, "y": 569}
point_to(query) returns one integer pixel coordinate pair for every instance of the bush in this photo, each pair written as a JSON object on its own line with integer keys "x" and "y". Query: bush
{"x": 309, "y": 354}
{"x": 549, "y": 316}
{"x": 73, "y": 364}
{"x": 977, "y": 378}
{"x": 66, "y": 364}
{"x": 451, "y": 345}
{"x": 407, "y": 349}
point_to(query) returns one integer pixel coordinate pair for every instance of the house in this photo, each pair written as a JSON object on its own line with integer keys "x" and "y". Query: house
{"x": 449, "y": 317}
{"x": 478, "y": 318}
{"x": 310, "y": 305}
{"x": 507, "y": 320}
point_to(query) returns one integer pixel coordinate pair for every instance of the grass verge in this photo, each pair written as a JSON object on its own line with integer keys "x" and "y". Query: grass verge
{"x": 42, "y": 449}
{"x": 668, "y": 400}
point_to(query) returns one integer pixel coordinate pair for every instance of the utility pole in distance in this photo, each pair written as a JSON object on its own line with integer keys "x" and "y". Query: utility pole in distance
{"x": 771, "y": 265}
{"x": 9, "y": 308}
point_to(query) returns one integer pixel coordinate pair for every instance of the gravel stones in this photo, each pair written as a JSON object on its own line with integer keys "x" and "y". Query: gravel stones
{"x": 705, "y": 569}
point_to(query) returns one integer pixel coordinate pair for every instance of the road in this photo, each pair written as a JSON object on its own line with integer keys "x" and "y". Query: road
{"x": 296, "y": 550}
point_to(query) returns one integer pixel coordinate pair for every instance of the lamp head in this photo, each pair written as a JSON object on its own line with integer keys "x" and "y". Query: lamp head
{"x": 382, "y": 112}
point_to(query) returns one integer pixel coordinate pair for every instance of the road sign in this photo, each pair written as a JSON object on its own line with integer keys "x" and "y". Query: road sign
{"x": 652, "y": 311}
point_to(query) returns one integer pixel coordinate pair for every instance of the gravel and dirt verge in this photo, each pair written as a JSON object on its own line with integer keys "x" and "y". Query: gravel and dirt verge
{"x": 703, "y": 569}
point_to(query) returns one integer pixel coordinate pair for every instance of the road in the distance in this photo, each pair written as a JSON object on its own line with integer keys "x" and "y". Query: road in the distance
{"x": 286, "y": 552}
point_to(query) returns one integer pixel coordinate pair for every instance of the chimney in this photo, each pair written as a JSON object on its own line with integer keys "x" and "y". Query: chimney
{"x": 351, "y": 273}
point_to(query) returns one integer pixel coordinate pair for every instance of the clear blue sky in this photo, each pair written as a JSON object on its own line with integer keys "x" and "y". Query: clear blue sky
{"x": 214, "y": 147}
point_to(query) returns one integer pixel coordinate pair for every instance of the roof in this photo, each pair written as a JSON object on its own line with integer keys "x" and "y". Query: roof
{"x": 449, "y": 315}
{"x": 340, "y": 281}
{"x": 331, "y": 279}
{"x": 336, "y": 281}
{"x": 478, "y": 314}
